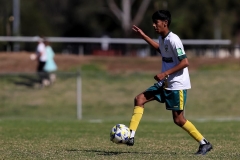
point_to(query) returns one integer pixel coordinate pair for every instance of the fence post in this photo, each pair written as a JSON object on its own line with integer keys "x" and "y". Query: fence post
{"x": 79, "y": 96}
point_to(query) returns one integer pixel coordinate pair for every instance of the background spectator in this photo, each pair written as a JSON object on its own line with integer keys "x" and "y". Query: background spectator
{"x": 50, "y": 66}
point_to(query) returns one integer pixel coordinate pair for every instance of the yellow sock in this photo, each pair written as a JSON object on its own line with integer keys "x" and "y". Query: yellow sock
{"x": 136, "y": 117}
{"x": 191, "y": 129}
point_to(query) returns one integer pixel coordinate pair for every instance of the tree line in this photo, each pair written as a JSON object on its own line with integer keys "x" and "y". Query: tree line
{"x": 198, "y": 19}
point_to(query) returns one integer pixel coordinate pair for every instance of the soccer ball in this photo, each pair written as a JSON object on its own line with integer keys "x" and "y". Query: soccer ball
{"x": 33, "y": 56}
{"x": 119, "y": 134}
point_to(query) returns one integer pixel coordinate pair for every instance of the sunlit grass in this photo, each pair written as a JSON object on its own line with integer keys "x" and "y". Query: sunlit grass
{"x": 214, "y": 94}
{"x": 41, "y": 123}
{"x": 83, "y": 140}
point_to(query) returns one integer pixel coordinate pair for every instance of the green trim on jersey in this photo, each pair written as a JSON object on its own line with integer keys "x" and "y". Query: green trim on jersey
{"x": 166, "y": 35}
{"x": 182, "y": 57}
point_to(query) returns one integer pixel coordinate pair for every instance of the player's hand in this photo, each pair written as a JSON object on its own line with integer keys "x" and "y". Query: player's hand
{"x": 160, "y": 76}
{"x": 138, "y": 30}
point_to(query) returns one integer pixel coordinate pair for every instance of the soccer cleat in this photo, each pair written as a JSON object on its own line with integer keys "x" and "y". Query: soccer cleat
{"x": 130, "y": 141}
{"x": 204, "y": 148}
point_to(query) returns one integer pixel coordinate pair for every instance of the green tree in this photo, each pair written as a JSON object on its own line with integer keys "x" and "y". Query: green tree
{"x": 199, "y": 19}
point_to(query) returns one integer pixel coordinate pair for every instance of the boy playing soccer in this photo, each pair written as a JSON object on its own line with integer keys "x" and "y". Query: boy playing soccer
{"x": 172, "y": 83}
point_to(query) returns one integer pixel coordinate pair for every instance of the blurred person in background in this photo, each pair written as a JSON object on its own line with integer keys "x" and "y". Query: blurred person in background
{"x": 50, "y": 66}
{"x": 41, "y": 57}
{"x": 172, "y": 82}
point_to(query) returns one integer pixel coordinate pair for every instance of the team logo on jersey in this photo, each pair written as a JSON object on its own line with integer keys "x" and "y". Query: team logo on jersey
{"x": 180, "y": 51}
{"x": 166, "y": 47}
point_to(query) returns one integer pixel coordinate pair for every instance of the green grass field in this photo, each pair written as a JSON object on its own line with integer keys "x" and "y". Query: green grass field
{"x": 27, "y": 139}
{"x": 42, "y": 123}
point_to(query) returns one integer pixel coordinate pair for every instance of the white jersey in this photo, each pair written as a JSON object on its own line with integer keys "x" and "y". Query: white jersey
{"x": 171, "y": 49}
{"x": 42, "y": 49}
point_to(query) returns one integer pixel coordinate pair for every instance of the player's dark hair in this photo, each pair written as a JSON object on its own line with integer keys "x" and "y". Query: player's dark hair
{"x": 162, "y": 15}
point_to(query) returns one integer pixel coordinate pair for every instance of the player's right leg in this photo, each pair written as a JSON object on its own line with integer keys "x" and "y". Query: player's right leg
{"x": 149, "y": 95}
{"x": 139, "y": 102}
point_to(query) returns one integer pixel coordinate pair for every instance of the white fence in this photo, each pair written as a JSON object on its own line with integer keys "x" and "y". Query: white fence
{"x": 111, "y": 40}
{"x": 84, "y": 45}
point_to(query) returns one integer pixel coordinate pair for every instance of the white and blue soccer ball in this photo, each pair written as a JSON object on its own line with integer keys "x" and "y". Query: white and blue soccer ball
{"x": 119, "y": 134}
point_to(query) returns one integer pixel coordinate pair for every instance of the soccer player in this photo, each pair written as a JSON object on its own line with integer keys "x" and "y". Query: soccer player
{"x": 172, "y": 83}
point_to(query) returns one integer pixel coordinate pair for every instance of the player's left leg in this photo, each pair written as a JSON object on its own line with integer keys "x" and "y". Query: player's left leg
{"x": 180, "y": 120}
{"x": 175, "y": 101}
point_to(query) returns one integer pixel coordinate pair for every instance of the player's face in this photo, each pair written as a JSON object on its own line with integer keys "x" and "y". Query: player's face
{"x": 160, "y": 26}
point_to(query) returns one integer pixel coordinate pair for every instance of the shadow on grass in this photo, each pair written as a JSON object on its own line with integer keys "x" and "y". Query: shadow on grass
{"x": 25, "y": 80}
{"x": 111, "y": 153}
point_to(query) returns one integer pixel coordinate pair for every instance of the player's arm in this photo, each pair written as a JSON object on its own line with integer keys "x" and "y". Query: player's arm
{"x": 183, "y": 63}
{"x": 149, "y": 40}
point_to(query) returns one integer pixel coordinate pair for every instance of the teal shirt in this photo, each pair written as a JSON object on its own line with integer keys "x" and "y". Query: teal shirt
{"x": 50, "y": 65}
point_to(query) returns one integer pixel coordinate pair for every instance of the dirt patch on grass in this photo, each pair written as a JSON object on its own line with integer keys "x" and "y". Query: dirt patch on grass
{"x": 21, "y": 62}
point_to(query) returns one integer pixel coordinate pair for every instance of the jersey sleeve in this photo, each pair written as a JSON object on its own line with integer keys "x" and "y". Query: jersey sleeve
{"x": 178, "y": 48}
